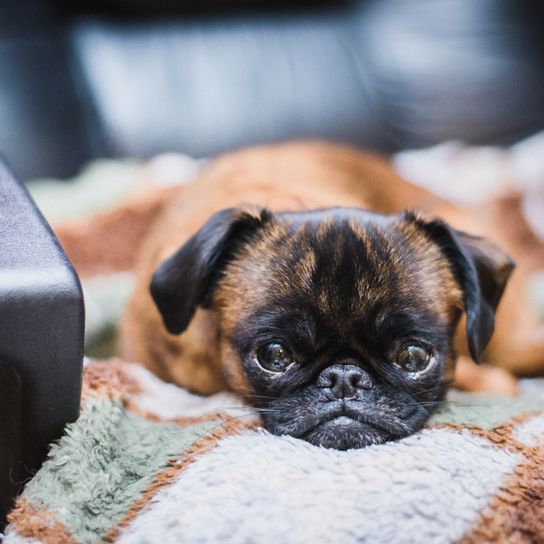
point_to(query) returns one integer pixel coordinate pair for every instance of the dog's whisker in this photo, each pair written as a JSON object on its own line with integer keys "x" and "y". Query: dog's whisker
{"x": 252, "y": 397}
{"x": 221, "y": 424}
{"x": 251, "y": 409}
{"x": 440, "y": 384}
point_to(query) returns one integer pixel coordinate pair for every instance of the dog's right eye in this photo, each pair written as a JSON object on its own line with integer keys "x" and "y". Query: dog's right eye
{"x": 274, "y": 357}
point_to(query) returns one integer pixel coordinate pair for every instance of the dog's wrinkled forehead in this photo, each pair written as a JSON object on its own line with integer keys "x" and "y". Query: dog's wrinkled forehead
{"x": 341, "y": 265}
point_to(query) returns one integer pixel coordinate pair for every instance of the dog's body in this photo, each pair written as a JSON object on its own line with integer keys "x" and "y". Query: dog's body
{"x": 300, "y": 177}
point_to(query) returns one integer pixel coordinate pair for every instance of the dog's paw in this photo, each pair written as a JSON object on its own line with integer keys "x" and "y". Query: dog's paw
{"x": 484, "y": 378}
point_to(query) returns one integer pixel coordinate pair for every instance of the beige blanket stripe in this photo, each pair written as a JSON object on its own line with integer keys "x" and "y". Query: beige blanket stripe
{"x": 200, "y": 447}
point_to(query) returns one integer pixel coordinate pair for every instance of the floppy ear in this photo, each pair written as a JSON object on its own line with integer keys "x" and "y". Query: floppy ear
{"x": 482, "y": 271}
{"x": 185, "y": 280}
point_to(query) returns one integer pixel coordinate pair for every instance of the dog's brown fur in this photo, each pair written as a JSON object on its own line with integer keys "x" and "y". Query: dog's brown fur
{"x": 289, "y": 177}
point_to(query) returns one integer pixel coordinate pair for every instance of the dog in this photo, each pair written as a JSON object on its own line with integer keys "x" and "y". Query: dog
{"x": 327, "y": 291}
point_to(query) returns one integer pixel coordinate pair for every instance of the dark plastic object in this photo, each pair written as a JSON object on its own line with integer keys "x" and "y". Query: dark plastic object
{"x": 41, "y": 339}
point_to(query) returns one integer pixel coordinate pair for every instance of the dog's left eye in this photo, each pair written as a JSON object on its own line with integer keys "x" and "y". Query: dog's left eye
{"x": 274, "y": 357}
{"x": 413, "y": 358}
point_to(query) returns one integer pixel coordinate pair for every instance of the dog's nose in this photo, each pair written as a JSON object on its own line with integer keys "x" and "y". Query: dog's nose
{"x": 343, "y": 381}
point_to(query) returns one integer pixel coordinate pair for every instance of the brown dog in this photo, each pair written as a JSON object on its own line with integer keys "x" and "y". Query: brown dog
{"x": 269, "y": 279}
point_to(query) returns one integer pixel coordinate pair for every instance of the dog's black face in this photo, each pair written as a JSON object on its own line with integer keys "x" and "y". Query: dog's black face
{"x": 349, "y": 345}
{"x": 357, "y": 377}
{"x": 337, "y": 324}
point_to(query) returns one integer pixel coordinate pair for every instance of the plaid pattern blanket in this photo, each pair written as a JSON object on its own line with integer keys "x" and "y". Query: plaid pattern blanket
{"x": 149, "y": 462}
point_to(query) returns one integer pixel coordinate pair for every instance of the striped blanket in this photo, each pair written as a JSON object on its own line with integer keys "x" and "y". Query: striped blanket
{"x": 148, "y": 462}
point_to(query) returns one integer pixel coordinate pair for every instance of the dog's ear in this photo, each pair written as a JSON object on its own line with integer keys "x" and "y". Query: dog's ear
{"x": 482, "y": 271}
{"x": 185, "y": 280}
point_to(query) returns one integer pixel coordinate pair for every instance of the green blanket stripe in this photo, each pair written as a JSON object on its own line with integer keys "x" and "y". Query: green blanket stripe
{"x": 103, "y": 464}
{"x": 487, "y": 411}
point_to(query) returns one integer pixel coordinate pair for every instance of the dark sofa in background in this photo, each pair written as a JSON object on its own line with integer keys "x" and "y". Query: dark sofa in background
{"x": 83, "y": 79}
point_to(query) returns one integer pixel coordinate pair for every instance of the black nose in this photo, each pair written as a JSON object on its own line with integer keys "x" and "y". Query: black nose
{"x": 343, "y": 381}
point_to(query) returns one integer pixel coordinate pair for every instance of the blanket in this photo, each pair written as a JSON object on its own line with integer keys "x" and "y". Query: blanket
{"x": 149, "y": 462}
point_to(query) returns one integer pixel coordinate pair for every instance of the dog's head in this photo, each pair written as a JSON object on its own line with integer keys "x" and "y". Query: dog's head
{"x": 337, "y": 323}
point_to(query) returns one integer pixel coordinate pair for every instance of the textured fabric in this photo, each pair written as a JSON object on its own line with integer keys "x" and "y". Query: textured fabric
{"x": 148, "y": 462}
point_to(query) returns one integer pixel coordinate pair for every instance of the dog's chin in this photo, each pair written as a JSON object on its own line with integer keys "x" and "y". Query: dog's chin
{"x": 345, "y": 433}
{"x": 344, "y": 424}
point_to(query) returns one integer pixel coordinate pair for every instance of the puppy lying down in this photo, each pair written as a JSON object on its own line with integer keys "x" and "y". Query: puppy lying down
{"x": 294, "y": 276}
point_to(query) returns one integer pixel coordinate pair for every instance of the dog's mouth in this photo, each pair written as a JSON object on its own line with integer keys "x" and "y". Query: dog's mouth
{"x": 348, "y": 424}
{"x": 344, "y": 433}
{"x": 341, "y": 412}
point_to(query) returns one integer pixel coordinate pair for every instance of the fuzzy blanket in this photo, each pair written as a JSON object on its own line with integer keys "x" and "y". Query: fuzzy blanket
{"x": 148, "y": 462}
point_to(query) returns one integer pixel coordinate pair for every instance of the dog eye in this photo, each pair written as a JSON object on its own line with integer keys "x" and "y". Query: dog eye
{"x": 413, "y": 358}
{"x": 274, "y": 357}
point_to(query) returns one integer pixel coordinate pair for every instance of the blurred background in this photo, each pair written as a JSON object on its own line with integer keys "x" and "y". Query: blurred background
{"x": 127, "y": 99}
{"x": 83, "y": 79}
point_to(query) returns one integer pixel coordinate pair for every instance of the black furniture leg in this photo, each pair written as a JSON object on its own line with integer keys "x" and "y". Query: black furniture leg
{"x": 41, "y": 339}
